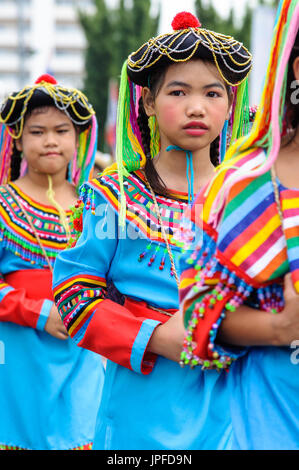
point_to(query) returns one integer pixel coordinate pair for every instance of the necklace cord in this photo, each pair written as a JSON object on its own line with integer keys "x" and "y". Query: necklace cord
{"x": 276, "y": 194}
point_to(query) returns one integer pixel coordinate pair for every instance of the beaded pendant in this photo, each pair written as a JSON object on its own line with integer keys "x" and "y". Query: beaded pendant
{"x": 89, "y": 200}
{"x": 151, "y": 254}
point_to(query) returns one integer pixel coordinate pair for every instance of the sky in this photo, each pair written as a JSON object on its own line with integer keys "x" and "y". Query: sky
{"x": 171, "y": 7}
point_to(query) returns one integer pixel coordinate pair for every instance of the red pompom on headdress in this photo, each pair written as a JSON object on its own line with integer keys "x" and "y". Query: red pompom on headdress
{"x": 184, "y": 20}
{"x": 46, "y": 78}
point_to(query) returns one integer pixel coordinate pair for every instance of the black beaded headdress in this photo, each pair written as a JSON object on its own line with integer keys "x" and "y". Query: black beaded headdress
{"x": 47, "y": 92}
{"x": 189, "y": 40}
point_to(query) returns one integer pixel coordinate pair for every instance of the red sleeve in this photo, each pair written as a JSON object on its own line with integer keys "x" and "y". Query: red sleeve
{"x": 128, "y": 348}
{"x": 15, "y": 307}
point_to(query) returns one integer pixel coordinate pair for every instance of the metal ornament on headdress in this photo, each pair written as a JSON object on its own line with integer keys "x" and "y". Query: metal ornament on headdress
{"x": 70, "y": 101}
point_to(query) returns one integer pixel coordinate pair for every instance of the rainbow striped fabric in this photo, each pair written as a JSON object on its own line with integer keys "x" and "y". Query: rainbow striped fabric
{"x": 140, "y": 206}
{"x": 76, "y": 302}
{"x": 244, "y": 260}
{"x": 16, "y": 234}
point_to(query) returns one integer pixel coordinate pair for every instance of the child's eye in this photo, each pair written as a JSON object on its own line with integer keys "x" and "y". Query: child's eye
{"x": 177, "y": 93}
{"x": 36, "y": 132}
{"x": 213, "y": 94}
{"x": 62, "y": 131}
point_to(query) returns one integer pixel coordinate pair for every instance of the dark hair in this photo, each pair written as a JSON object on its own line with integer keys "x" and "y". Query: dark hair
{"x": 292, "y": 110}
{"x": 155, "y": 83}
{"x": 15, "y": 165}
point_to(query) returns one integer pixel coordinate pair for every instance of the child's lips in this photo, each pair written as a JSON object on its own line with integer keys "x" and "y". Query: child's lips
{"x": 51, "y": 154}
{"x": 196, "y": 125}
{"x": 195, "y": 128}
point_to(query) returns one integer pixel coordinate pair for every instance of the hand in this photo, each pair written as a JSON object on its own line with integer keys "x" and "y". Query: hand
{"x": 55, "y": 326}
{"x": 286, "y": 323}
{"x": 167, "y": 339}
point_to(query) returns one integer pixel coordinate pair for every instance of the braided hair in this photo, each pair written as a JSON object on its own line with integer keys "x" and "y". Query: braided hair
{"x": 151, "y": 173}
{"x": 15, "y": 165}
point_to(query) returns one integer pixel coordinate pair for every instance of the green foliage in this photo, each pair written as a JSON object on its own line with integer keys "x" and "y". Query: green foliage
{"x": 211, "y": 19}
{"x": 112, "y": 34}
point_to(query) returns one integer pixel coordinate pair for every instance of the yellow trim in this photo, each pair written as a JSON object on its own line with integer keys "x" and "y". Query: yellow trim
{"x": 292, "y": 203}
{"x": 83, "y": 315}
{"x": 82, "y": 279}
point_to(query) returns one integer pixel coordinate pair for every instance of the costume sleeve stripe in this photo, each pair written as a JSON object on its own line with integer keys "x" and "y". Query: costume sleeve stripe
{"x": 137, "y": 354}
{"x": 93, "y": 280}
{"x": 4, "y": 290}
{"x": 44, "y": 314}
{"x": 82, "y": 317}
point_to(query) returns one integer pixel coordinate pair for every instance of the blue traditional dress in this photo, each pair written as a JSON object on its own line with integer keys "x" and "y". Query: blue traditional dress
{"x": 243, "y": 259}
{"x": 50, "y": 390}
{"x": 148, "y": 402}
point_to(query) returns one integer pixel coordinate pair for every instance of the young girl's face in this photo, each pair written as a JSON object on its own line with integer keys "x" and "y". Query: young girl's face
{"x": 191, "y": 105}
{"x": 48, "y": 141}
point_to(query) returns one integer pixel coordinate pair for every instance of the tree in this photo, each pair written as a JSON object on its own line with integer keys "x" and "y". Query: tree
{"x": 111, "y": 35}
{"x": 98, "y": 57}
{"x": 211, "y": 19}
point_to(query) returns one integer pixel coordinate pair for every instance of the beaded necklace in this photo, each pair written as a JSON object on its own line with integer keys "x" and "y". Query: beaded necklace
{"x": 163, "y": 231}
{"x": 28, "y": 218}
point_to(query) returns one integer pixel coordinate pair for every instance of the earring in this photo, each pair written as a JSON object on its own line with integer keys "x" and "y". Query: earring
{"x": 155, "y": 136}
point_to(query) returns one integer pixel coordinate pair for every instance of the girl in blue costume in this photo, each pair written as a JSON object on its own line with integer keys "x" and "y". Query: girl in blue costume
{"x": 49, "y": 389}
{"x": 129, "y": 219}
{"x": 250, "y": 254}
